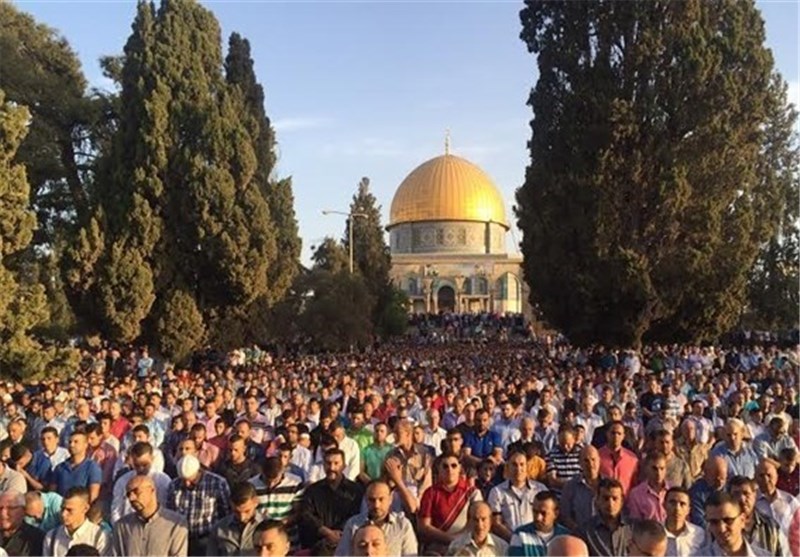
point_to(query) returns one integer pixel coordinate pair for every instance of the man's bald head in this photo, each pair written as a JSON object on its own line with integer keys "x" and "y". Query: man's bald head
{"x": 567, "y": 546}
{"x": 715, "y": 471}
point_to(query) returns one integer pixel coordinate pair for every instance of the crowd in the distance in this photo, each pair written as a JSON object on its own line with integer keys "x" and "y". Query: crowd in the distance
{"x": 495, "y": 448}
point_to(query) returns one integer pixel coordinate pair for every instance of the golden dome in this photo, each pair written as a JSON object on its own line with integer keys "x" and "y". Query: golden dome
{"x": 447, "y": 188}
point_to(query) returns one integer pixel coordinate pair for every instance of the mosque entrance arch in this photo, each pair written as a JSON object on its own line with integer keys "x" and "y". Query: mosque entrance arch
{"x": 446, "y": 299}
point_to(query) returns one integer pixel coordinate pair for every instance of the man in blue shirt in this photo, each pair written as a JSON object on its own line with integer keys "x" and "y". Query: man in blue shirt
{"x": 715, "y": 477}
{"x": 79, "y": 470}
{"x": 481, "y": 442}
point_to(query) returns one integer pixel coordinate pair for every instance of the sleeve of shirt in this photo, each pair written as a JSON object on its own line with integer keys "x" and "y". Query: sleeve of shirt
{"x": 95, "y": 474}
{"x": 566, "y": 500}
{"x": 426, "y": 504}
{"x": 494, "y": 500}
{"x": 697, "y": 515}
{"x": 118, "y": 498}
{"x": 18, "y": 483}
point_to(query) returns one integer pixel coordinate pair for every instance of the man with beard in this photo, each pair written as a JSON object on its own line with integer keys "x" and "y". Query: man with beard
{"x": 327, "y": 504}
{"x": 400, "y": 536}
{"x": 532, "y": 538}
{"x": 726, "y": 523}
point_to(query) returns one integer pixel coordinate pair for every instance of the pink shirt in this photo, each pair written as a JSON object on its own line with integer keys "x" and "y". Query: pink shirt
{"x": 645, "y": 502}
{"x": 621, "y": 466}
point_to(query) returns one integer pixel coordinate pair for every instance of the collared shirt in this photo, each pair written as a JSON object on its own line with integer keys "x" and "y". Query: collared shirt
{"x": 687, "y": 542}
{"x": 645, "y": 502}
{"x": 694, "y": 457}
{"x": 768, "y": 447}
{"x": 699, "y": 494}
{"x": 505, "y": 429}
{"x": 231, "y": 537}
{"x": 564, "y": 465}
{"x": 621, "y": 466}
{"x": 766, "y": 534}
{"x": 743, "y": 463}
{"x": 42, "y": 464}
{"x": 51, "y": 515}
{"x": 577, "y": 500}
{"x": 513, "y": 503}
{"x": 165, "y": 533}
{"x": 526, "y": 541}
{"x": 85, "y": 474}
{"x": 58, "y": 541}
{"x": 482, "y": 446}
{"x": 327, "y": 505}
{"x": 373, "y": 457}
{"x": 434, "y": 438}
{"x": 780, "y": 510}
{"x": 602, "y": 540}
{"x": 203, "y": 504}
{"x": 400, "y": 537}
{"x": 277, "y": 502}
{"x": 464, "y": 545}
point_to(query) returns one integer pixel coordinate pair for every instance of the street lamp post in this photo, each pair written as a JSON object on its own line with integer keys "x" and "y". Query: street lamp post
{"x": 350, "y": 216}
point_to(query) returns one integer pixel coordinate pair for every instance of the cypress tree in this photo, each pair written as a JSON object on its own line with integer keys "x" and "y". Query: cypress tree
{"x": 179, "y": 217}
{"x": 23, "y": 306}
{"x": 239, "y": 72}
{"x": 644, "y": 205}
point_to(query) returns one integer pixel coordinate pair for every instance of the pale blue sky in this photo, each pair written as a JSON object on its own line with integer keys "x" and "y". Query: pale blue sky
{"x": 368, "y": 88}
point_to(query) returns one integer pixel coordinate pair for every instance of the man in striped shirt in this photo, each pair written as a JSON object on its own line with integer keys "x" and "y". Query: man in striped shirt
{"x": 279, "y": 495}
{"x": 564, "y": 461}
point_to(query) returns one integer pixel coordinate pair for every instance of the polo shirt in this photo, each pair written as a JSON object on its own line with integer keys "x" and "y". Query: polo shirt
{"x": 645, "y": 502}
{"x": 65, "y": 476}
{"x": 42, "y": 464}
{"x": 482, "y": 446}
{"x": 514, "y": 504}
{"x": 373, "y": 457}
{"x": 437, "y": 502}
{"x": 526, "y": 541}
{"x": 622, "y": 467}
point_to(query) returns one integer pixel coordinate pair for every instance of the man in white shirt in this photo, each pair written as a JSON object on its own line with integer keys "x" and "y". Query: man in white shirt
{"x": 512, "y": 501}
{"x": 76, "y": 528}
{"x": 141, "y": 455}
{"x": 434, "y": 432}
{"x": 773, "y": 502}
{"x": 352, "y": 453}
{"x": 684, "y": 539}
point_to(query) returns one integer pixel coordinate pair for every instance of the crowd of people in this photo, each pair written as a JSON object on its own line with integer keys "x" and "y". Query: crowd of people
{"x": 498, "y": 448}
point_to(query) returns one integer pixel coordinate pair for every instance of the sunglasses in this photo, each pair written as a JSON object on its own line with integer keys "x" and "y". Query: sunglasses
{"x": 728, "y": 520}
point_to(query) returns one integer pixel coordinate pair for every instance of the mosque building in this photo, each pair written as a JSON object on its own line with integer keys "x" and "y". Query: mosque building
{"x": 447, "y": 236}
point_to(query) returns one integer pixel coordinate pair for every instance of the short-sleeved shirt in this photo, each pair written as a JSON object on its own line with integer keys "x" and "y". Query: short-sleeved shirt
{"x": 65, "y": 476}
{"x": 484, "y": 445}
{"x": 438, "y": 503}
{"x": 373, "y": 457}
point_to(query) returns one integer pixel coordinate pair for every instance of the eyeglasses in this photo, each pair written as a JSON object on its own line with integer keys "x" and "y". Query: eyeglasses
{"x": 728, "y": 520}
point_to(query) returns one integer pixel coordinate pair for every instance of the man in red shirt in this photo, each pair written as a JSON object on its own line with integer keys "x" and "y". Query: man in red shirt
{"x": 444, "y": 505}
{"x": 616, "y": 461}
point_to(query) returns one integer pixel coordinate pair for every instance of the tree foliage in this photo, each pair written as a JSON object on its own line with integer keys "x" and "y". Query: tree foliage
{"x": 23, "y": 305}
{"x": 373, "y": 260}
{"x": 647, "y": 199}
{"x": 179, "y": 214}
{"x": 239, "y": 72}
{"x": 39, "y": 69}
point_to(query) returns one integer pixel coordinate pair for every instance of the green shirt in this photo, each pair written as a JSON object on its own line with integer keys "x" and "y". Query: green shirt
{"x": 373, "y": 457}
{"x": 362, "y": 436}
